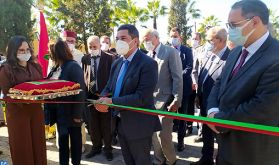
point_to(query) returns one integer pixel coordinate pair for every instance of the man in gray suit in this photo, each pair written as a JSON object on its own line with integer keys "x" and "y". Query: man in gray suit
{"x": 168, "y": 94}
{"x": 132, "y": 80}
{"x": 248, "y": 89}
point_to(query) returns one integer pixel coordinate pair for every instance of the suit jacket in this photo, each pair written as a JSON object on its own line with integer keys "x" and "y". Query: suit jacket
{"x": 252, "y": 96}
{"x": 186, "y": 57}
{"x": 137, "y": 91}
{"x": 205, "y": 86}
{"x": 170, "y": 82}
{"x": 102, "y": 72}
{"x": 71, "y": 71}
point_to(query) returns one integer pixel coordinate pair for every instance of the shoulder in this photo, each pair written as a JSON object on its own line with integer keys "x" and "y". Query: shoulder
{"x": 106, "y": 55}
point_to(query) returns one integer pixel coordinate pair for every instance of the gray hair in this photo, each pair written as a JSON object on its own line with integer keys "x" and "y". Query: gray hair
{"x": 152, "y": 32}
{"x": 91, "y": 38}
{"x": 218, "y": 32}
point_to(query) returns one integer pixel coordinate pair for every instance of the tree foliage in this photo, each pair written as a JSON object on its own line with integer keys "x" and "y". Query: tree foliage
{"x": 15, "y": 20}
{"x": 85, "y": 17}
{"x": 127, "y": 12}
{"x": 208, "y": 21}
{"x": 154, "y": 10}
{"x": 181, "y": 11}
{"x": 274, "y": 21}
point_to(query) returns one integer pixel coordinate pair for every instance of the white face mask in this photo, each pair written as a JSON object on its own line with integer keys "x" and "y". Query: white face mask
{"x": 122, "y": 47}
{"x": 105, "y": 47}
{"x": 148, "y": 46}
{"x": 175, "y": 42}
{"x": 71, "y": 47}
{"x": 24, "y": 57}
{"x": 195, "y": 43}
{"x": 94, "y": 52}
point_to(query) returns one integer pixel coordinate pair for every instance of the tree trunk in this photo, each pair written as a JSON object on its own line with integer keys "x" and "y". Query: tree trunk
{"x": 154, "y": 23}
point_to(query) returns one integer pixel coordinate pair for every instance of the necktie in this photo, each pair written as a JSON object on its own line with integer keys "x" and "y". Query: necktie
{"x": 119, "y": 82}
{"x": 243, "y": 56}
{"x": 154, "y": 55}
{"x": 121, "y": 78}
{"x": 94, "y": 74}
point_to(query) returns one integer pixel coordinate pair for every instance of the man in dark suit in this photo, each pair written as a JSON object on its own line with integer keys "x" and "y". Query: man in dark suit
{"x": 248, "y": 89}
{"x": 132, "y": 82}
{"x": 209, "y": 72}
{"x": 186, "y": 57}
{"x": 96, "y": 66}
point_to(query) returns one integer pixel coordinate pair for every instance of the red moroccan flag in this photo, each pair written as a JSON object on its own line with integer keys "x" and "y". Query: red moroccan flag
{"x": 43, "y": 44}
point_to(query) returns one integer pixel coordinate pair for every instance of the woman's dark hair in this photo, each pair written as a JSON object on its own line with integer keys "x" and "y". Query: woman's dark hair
{"x": 13, "y": 46}
{"x": 60, "y": 52}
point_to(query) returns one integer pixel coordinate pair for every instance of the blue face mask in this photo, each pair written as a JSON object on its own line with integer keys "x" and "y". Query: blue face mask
{"x": 235, "y": 35}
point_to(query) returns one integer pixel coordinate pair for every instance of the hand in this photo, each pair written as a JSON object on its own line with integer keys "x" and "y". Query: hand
{"x": 99, "y": 104}
{"x": 211, "y": 115}
{"x": 173, "y": 107}
{"x": 197, "y": 102}
{"x": 77, "y": 120}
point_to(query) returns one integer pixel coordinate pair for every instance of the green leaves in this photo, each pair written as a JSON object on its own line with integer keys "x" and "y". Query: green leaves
{"x": 15, "y": 20}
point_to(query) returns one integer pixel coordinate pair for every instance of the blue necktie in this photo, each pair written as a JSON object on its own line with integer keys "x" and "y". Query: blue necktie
{"x": 119, "y": 82}
{"x": 121, "y": 78}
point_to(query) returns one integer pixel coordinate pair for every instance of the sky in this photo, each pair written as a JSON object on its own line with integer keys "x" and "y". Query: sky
{"x": 218, "y": 8}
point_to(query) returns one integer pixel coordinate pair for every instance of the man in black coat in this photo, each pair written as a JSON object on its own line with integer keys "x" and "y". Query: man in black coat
{"x": 96, "y": 66}
{"x": 248, "y": 88}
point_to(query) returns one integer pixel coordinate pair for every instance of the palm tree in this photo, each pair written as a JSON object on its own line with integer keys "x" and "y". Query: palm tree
{"x": 208, "y": 21}
{"x": 128, "y": 12}
{"x": 154, "y": 10}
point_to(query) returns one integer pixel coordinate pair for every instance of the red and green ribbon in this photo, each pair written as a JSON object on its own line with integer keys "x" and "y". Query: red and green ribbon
{"x": 248, "y": 127}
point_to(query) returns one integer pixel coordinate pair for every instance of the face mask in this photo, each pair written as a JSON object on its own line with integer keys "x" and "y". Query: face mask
{"x": 235, "y": 35}
{"x": 71, "y": 47}
{"x": 148, "y": 46}
{"x": 209, "y": 46}
{"x": 195, "y": 43}
{"x": 24, "y": 57}
{"x": 94, "y": 52}
{"x": 175, "y": 42}
{"x": 122, "y": 47}
{"x": 105, "y": 47}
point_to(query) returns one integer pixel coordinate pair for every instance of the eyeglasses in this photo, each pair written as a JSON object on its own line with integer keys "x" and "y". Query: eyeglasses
{"x": 23, "y": 51}
{"x": 234, "y": 25}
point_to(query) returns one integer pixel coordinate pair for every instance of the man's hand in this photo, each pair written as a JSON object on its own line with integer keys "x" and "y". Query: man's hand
{"x": 99, "y": 105}
{"x": 211, "y": 115}
{"x": 173, "y": 107}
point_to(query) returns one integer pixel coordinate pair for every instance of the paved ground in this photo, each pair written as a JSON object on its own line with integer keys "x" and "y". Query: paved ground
{"x": 190, "y": 154}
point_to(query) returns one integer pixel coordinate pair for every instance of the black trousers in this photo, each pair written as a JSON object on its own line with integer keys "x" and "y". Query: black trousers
{"x": 76, "y": 144}
{"x": 207, "y": 135}
{"x": 181, "y": 132}
{"x": 191, "y": 107}
{"x": 100, "y": 130}
{"x": 135, "y": 151}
